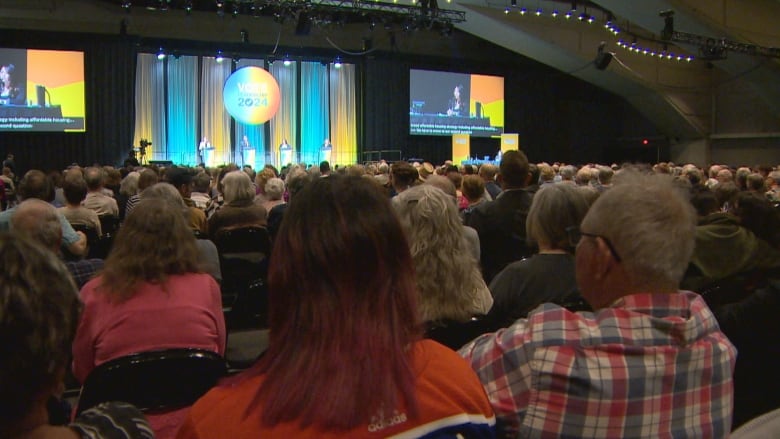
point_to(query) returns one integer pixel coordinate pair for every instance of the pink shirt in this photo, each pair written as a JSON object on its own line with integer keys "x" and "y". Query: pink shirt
{"x": 187, "y": 312}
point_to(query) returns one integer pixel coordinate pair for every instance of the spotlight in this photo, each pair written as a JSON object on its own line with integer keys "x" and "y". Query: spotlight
{"x": 554, "y": 13}
{"x": 523, "y": 10}
{"x": 287, "y": 60}
{"x": 235, "y": 11}
{"x": 126, "y": 4}
{"x": 506, "y": 10}
{"x": 188, "y": 7}
{"x": 220, "y": 8}
{"x": 161, "y": 54}
{"x": 219, "y": 57}
{"x": 539, "y": 12}
{"x": 582, "y": 17}
{"x": 568, "y": 15}
{"x": 337, "y": 62}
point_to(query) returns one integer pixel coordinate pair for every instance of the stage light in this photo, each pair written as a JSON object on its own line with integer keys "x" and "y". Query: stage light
{"x": 161, "y": 54}
{"x": 523, "y": 10}
{"x": 506, "y": 10}
{"x": 568, "y": 15}
{"x": 126, "y": 5}
{"x": 539, "y": 12}
{"x": 219, "y": 57}
{"x": 337, "y": 62}
{"x": 287, "y": 60}
{"x": 554, "y": 13}
{"x": 645, "y": 141}
{"x": 188, "y": 7}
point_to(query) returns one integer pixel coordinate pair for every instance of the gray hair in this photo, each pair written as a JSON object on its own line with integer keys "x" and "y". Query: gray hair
{"x": 651, "y": 224}
{"x": 274, "y": 189}
{"x": 237, "y": 187}
{"x": 447, "y": 275}
{"x": 167, "y": 193}
{"x": 555, "y": 207}
{"x": 39, "y": 221}
{"x": 129, "y": 185}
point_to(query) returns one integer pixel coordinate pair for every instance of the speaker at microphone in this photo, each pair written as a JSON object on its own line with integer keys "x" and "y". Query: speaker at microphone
{"x": 40, "y": 92}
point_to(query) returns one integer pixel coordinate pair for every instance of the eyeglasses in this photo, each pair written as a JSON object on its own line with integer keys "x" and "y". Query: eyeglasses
{"x": 575, "y": 234}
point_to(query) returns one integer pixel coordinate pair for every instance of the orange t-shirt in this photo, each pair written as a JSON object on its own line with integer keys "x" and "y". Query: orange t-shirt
{"x": 449, "y": 395}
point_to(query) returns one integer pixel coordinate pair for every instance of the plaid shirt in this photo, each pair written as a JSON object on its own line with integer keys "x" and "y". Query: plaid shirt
{"x": 648, "y": 366}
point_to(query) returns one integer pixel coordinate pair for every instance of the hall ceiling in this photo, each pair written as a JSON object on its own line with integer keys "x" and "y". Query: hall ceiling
{"x": 680, "y": 97}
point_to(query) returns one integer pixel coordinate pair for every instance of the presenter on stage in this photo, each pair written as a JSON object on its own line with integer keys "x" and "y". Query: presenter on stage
{"x": 11, "y": 91}
{"x": 456, "y": 105}
{"x": 247, "y": 152}
{"x": 325, "y": 150}
{"x": 285, "y": 153}
{"x": 204, "y": 151}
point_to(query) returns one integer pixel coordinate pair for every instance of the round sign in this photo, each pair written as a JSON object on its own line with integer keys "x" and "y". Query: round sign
{"x": 251, "y": 95}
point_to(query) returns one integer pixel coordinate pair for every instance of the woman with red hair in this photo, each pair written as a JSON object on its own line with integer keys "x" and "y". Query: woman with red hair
{"x": 345, "y": 357}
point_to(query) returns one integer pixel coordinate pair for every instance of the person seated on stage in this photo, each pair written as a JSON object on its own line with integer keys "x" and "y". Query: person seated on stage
{"x": 449, "y": 281}
{"x": 97, "y": 199}
{"x": 75, "y": 190}
{"x": 456, "y": 106}
{"x": 12, "y": 91}
{"x": 152, "y": 294}
{"x": 648, "y": 352}
{"x": 547, "y": 276}
{"x": 34, "y": 184}
{"x": 239, "y": 209}
{"x": 345, "y": 358}
{"x": 39, "y": 311}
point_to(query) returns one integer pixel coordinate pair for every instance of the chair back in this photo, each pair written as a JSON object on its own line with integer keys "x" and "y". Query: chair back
{"x": 243, "y": 258}
{"x": 154, "y": 380}
{"x": 93, "y": 239}
{"x": 109, "y": 224}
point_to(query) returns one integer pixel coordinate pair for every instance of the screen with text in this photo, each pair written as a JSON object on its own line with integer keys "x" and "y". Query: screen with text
{"x": 41, "y": 90}
{"x": 447, "y": 103}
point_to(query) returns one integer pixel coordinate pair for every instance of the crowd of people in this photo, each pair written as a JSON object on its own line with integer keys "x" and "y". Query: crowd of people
{"x": 519, "y": 299}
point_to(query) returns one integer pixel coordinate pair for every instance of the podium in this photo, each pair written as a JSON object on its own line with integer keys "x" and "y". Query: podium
{"x": 325, "y": 154}
{"x": 208, "y": 156}
{"x": 285, "y": 155}
{"x": 248, "y": 156}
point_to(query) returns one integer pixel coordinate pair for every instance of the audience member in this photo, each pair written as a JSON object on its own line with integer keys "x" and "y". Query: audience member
{"x": 274, "y": 193}
{"x": 723, "y": 246}
{"x": 151, "y": 295}
{"x": 501, "y": 223}
{"x": 648, "y": 353}
{"x": 445, "y": 184}
{"x": 147, "y": 178}
{"x": 97, "y": 199}
{"x": 39, "y": 311}
{"x": 75, "y": 190}
{"x": 450, "y": 284}
{"x": 345, "y": 335}
{"x": 39, "y": 221}
{"x": 548, "y": 276}
{"x": 473, "y": 189}
{"x": 239, "y": 209}
{"x": 34, "y": 184}
{"x": 200, "y": 190}
{"x": 181, "y": 179}
{"x": 402, "y": 176}
{"x": 127, "y": 189}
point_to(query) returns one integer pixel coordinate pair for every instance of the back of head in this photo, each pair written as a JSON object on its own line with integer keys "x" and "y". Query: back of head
{"x": 39, "y": 221}
{"x": 473, "y": 187}
{"x": 704, "y": 201}
{"x": 201, "y": 182}
{"x": 237, "y": 188}
{"x": 404, "y": 175}
{"x": 274, "y": 189}
{"x": 154, "y": 242}
{"x": 757, "y": 214}
{"x": 75, "y": 189}
{"x": 555, "y": 208}
{"x": 34, "y": 184}
{"x": 179, "y": 176}
{"x": 167, "y": 193}
{"x": 147, "y": 178}
{"x": 605, "y": 174}
{"x": 755, "y": 182}
{"x": 447, "y": 273}
{"x": 651, "y": 225}
{"x": 94, "y": 178}
{"x": 567, "y": 172}
{"x": 297, "y": 180}
{"x": 129, "y": 185}
{"x": 514, "y": 169}
{"x": 324, "y": 167}
{"x": 443, "y": 183}
{"x": 354, "y": 320}
{"x": 39, "y": 309}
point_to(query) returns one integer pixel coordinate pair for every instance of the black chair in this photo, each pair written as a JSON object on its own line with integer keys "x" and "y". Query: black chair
{"x": 94, "y": 247}
{"x": 154, "y": 381}
{"x": 243, "y": 257}
{"x": 109, "y": 224}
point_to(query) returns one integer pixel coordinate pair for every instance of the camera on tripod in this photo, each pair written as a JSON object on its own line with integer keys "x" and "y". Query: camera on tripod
{"x": 144, "y": 144}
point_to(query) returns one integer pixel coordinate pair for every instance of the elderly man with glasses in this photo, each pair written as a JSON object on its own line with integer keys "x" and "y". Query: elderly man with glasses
{"x": 649, "y": 361}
